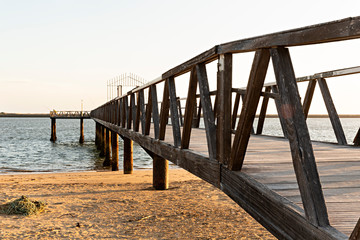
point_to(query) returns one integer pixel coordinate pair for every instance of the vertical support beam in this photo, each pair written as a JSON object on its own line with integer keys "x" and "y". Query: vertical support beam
{"x": 235, "y": 110}
{"x": 262, "y": 116}
{"x": 334, "y": 117}
{"x": 224, "y": 95}
{"x": 174, "y": 112}
{"x": 148, "y": 113}
{"x": 155, "y": 111}
{"x": 278, "y": 105}
{"x": 356, "y": 140}
{"x": 252, "y": 97}
{"x": 114, "y": 151}
{"x": 128, "y": 156}
{"x": 300, "y": 144}
{"x": 128, "y": 113}
{"x": 107, "y": 148}
{"x": 53, "y": 130}
{"x": 81, "y": 140}
{"x": 142, "y": 111}
{"x": 138, "y": 112}
{"x": 160, "y": 173}
{"x": 97, "y": 135}
{"x": 133, "y": 109}
{"x": 209, "y": 120}
{"x": 190, "y": 107}
{"x": 308, "y": 97}
{"x": 196, "y": 122}
{"x": 164, "y": 112}
{"x": 102, "y": 141}
{"x": 243, "y": 101}
{"x": 180, "y": 111}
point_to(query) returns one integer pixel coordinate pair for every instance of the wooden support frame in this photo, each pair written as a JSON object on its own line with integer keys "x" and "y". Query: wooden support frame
{"x": 133, "y": 110}
{"x": 209, "y": 120}
{"x": 278, "y": 105}
{"x": 114, "y": 151}
{"x": 155, "y": 111}
{"x": 178, "y": 100}
{"x": 189, "y": 112}
{"x": 301, "y": 149}
{"x": 308, "y": 97}
{"x": 148, "y": 113}
{"x": 254, "y": 87}
{"x": 138, "y": 113}
{"x": 223, "y": 106}
{"x": 174, "y": 112}
{"x": 334, "y": 117}
{"x": 141, "y": 106}
{"x": 164, "y": 112}
{"x": 262, "y": 115}
{"x": 235, "y": 110}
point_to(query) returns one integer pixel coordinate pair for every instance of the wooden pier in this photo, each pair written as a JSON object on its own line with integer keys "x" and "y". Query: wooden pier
{"x": 296, "y": 188}
{"x": 68, "y": 115}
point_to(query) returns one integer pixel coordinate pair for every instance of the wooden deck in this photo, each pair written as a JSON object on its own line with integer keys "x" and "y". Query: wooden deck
{"x": 268, "y": 160}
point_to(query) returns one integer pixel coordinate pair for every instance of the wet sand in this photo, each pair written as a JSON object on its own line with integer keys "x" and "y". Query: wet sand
{"x": 95, "y": 205}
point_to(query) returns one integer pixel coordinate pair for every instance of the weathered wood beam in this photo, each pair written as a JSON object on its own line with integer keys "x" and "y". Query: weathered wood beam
{"x": 278, "y": 105}
{"x": 164, "y": 112}
{"x": 160, "y": 173}
{"x": 223, "y": 106}
{"x": 128, "y": 161}
{"x": 209, "y": 121}
{"x": 148, "y": 113}
{"x": 308, "y": 97}
{"x": 142, "y": 111}
{"x": 189, "y": 110}
{"x": 196, "y": 120}
{"x": 138, "y": 113}
{"x": 356, "y": 140}
{"x": 301, "y": 149}
{"x": 155, "y": 111}
{"x": 174, "y": 112}
{"x": 180, "y": 111}
{"x": 133, "y": 109}
{"x": 262, "y": 115}
{"x": 355, "y": 235}
{"x": 235, "y": 110}
{"x": 334, "y": 117}
{"x": 255, "y": 84}
{"x": 283, "y": 218}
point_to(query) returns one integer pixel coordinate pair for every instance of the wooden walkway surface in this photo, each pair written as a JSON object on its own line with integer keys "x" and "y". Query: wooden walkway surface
{"x": 268, "y": 160}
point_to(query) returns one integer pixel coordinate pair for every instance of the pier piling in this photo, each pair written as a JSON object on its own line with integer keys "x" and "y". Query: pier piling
{"x": 114, "y": 151}
{"x": 102, "y": 141}
{"x": 53, "y": 130}
{"x": 160, "y": 173}
{"x": 81, "y": 140}
{"x": 107, "y": 148}
{"x": 128, "y": 156}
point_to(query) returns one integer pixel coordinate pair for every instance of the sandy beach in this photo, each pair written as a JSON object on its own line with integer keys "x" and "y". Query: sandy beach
{"x": 95, "y": 205}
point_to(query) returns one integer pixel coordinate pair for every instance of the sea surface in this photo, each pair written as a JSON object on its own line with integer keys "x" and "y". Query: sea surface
{"x": 25, "y": 145}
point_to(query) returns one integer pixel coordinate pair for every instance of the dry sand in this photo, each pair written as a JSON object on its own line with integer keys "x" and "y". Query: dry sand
{"x": 95, "y": 205}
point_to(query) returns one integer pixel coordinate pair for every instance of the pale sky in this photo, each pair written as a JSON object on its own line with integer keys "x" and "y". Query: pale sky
{"x": 55, "y": 53}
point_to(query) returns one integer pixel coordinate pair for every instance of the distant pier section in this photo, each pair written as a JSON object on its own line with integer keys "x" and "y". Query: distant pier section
{"x": 68, "y": 115}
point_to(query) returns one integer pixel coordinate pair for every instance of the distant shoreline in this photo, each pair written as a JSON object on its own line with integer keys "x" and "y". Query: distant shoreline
{"x": 47, "y": 115}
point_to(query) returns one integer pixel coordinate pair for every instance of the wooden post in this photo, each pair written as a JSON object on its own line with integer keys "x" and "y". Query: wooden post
{"x": 102, "y": 141}
{"x": 81, "y": 140}
{"x": 128, "y": 156}
{"x": 275, "y": 90}
{"x": 308, "y": 97}
{"x": 53, "y": 130}
{"x": 160, "y": 173}
{"x": 262, "y": 116}
{"x": 223, "y": 106}
{"x": 300, "y": 144}
{"x": 97, "y": 135}
{"x": 334, "y": 117}
{"x": 357, "y": 138}
{"x": 114, "y": 151}
{"x": 107, "y": 148}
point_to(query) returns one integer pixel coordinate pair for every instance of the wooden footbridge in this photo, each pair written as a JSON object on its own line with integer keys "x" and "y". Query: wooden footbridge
{"x": 296, "y": 188}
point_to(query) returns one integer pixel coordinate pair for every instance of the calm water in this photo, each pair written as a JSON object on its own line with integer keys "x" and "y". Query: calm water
{"x": 25, "y": 145}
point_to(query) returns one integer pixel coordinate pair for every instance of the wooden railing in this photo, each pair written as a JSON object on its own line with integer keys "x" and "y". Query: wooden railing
{"x": 227, "y": 133}
{"x": 69, "y": 114}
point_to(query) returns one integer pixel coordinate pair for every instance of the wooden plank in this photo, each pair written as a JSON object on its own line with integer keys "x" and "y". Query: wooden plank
{"x": 128, "y": 113}
{"x": 334, "y": 117}
{"x": 308, "y": 97}
{"x": 209, "y": 121}
{"x": 133, "y": 109}
{"x": 357, "y": 138}
{"x": 255, "y": 84}
{"x": 277, "y": 214}
{"x": 223, "y": 106}
{"x": 264, "y": 105}
{"x": 174, "y": 112}
{"x": 138, "y": 112}
{"x": 164, "y": 111}
{"x": 299, "y": 138}
{"x": 348, "y": 28}
{"x": 148, "y": 113}
{"x": 196, "y": 122}
{"x": 279, "y": 110}
{"x": 142, "y": 111}
{"x": 189, "y": 110}
{"x": 235, "y": 110}
{"x": 155, "y": 111}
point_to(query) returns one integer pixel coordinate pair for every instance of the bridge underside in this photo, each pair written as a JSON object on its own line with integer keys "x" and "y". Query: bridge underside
{"x": 266, "y": 187}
